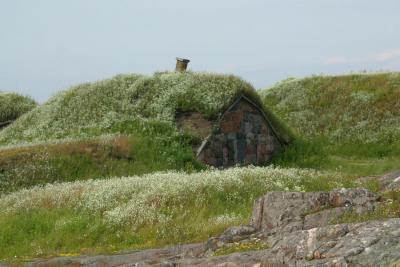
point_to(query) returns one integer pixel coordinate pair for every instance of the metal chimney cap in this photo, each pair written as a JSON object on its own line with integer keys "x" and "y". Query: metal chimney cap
{"x": 183, "y": 60}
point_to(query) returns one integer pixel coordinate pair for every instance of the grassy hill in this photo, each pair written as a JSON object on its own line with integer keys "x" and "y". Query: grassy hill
{"x": 13, "y": 105}
{"x": 351, "y": 121}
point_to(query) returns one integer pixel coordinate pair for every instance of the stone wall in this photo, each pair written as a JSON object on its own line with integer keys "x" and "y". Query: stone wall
{"x": 242, "y": 137}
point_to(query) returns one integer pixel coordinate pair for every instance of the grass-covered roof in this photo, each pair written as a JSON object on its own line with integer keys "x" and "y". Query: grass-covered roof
{"x": 96, "y": 107}
{"x": 13, "y": 105}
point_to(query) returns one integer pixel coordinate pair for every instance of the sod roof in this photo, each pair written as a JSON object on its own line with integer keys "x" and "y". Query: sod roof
{"x": 125, "y": 98}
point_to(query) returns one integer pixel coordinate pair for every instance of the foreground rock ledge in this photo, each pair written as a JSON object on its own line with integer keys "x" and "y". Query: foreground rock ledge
{"x": 295, "y": 228}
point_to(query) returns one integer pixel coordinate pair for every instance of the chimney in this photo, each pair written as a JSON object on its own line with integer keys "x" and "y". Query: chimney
{"x": 181, "y": 64}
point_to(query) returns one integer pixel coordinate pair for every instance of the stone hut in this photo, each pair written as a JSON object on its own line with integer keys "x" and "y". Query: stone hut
{"x": 243, "y": 135}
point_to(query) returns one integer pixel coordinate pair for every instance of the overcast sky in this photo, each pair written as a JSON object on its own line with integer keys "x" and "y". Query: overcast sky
{"x": 49, "y": 45}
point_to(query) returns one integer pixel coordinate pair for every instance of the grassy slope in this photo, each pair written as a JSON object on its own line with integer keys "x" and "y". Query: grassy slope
{"x": 13, "y": 105}
{"x": 24, "y": 167}
{"x": 350, "y": 123}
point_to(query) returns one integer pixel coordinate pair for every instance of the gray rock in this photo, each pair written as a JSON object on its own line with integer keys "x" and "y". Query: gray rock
{"x": 291, "y": 211}
{"x": 237, "y": 233}
{"x": 151, "y": 257}
{"x": 323, "y": 217}
{"x": 243, "y": 259}
{"x": 374, "y": 243}
{"x": 230, "y": 235}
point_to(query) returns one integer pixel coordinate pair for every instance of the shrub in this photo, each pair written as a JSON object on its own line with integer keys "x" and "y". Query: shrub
{"x": 13, "y": 105}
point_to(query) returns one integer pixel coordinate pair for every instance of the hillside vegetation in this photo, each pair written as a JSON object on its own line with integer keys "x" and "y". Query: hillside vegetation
{"x": 124, "y": 127}
{"x": 120, "y": 155}
{"x": 13, "y": 105}
{"x": 357, "y": 108}
{"x": 353, "y": 116}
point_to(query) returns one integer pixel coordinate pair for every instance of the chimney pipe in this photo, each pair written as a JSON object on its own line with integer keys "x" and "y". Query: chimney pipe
{"x": 181, "y": 64}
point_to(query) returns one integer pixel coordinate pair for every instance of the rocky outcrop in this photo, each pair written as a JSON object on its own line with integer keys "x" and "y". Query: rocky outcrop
{"x": 296, "y": 230}
{"x": 290, "y": 211}
{"x": 151, "y": 257}
{"x": 375, "y": 243}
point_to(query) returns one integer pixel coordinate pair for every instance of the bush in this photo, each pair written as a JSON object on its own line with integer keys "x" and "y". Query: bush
{"x": 13, "y": 105}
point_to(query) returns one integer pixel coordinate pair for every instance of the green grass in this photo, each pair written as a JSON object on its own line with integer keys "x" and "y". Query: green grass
{"x": 353, "y": 159}
{"x": 355, "y": 108}
{"x": 44, "y": 233}
{"x": 24, "y": 167}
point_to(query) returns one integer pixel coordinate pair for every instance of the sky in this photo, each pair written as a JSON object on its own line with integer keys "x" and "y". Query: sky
{"x": 49, "y": 45}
